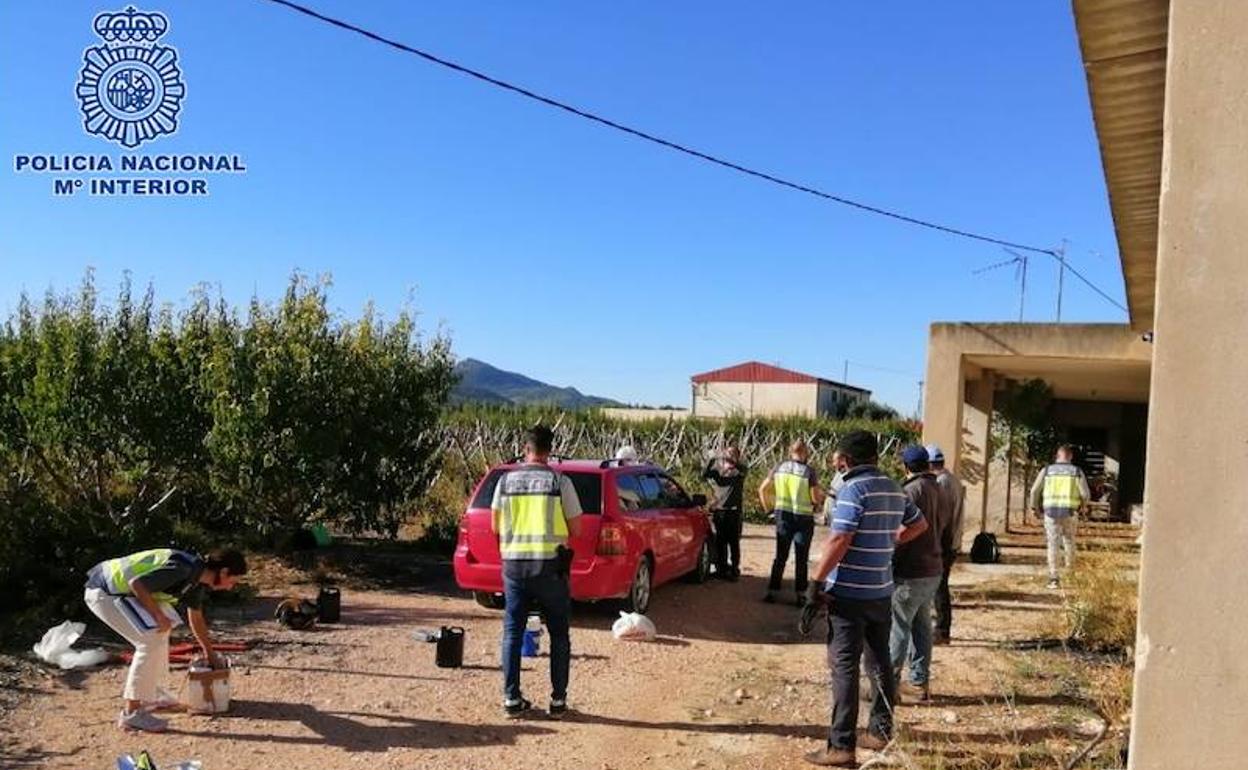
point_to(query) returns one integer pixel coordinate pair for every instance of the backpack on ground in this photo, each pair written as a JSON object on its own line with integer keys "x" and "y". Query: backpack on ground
{"x": 985, "y": 549}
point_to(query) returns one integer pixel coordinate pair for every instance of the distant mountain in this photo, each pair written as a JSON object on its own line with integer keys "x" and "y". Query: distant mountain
{"x": 484, "y": 384}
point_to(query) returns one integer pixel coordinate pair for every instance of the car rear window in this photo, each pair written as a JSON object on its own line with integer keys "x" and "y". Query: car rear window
{"x": 588, "y": 490}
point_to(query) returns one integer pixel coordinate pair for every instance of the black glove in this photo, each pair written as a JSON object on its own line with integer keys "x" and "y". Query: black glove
{"x": 814, "y": 594}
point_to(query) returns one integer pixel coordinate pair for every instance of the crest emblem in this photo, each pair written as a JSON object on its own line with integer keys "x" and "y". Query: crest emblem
{"x": 130, "y": 88}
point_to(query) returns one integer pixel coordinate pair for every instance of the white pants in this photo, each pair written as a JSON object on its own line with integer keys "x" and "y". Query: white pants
{"x": 1060, "y": 534}
{"x": 150, "y": 666}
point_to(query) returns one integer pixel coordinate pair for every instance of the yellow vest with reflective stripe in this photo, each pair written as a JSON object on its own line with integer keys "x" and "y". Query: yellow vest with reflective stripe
{"x": 792, "y": 484}
{"x": 120, "y": 571}
{"x": 530, "y": 521}
{"x": 1061, "y": 494}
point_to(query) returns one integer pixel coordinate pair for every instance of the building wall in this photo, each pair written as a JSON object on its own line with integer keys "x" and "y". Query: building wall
{"x": 958, "y": 398}
{"x": 638, "y": 414}
{"x": 832, "y": 399}
{"x": 754, "y": 399}
{"x": 1191, "y": 683}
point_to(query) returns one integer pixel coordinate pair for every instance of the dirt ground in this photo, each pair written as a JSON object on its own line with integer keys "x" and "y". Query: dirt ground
{"x": 729, "y": 684}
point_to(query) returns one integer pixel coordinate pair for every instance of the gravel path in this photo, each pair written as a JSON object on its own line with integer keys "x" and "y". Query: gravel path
{"x": 728, "y": 685}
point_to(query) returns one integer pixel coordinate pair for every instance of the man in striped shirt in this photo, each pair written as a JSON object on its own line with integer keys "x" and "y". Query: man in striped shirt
{"x": 871, "y": 517}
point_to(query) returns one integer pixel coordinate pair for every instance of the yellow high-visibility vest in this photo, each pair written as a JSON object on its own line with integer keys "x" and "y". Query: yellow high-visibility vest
{"x": 120, "y": 571}
{"x": 529, "y": 520}
{"x": 1061, "y": 489}
{"x": 792, "y": 484}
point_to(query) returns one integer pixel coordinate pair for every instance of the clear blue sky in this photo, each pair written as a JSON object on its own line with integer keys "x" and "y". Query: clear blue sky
{"x": 406, "y": 181}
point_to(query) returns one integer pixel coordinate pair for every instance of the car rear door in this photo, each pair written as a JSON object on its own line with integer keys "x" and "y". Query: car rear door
{"x": 658, "y": 534}
{"x": 679, "y": 520}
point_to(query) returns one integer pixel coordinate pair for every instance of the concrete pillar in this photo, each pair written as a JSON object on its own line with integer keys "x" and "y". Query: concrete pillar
{"x": 1191, "y": 681}
{"x": 942, "y": 396}
{"x": 976, "y": 452}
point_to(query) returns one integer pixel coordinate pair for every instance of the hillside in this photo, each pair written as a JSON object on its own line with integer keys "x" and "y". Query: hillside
{"x": 481, "y": 383}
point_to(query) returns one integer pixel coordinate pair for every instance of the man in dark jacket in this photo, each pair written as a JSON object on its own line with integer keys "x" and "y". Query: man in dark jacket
{"x": 917, "y": 567}
{"x": 727, "y": 476}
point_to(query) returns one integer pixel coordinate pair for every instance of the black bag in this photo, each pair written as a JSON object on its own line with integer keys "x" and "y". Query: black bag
{"x": 985, "y": 550}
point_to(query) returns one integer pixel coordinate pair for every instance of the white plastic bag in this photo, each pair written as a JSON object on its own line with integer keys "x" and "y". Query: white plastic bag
{"x": 56, "y": 647}
{"x": 634, "y": 627}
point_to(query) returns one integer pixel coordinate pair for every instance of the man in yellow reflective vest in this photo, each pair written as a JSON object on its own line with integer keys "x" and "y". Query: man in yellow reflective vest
{"x": 1060, "y": 492}
{"x": 535, "y": 511}
{"x": 794, "y": 487}
{"x": 135, "y": 596}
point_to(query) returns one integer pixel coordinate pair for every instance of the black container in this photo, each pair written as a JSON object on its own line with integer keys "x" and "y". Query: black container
{"x": 329, "y": 605}
{"x": 450, "y": 647}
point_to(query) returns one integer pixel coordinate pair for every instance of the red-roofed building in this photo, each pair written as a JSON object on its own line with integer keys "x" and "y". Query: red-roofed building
{"x": 755, "y": 389}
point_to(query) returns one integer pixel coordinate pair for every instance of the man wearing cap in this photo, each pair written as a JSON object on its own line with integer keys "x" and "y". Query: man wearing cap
{"x": 952, "y": 495}
{"x": 917, "y": 566}
{"x": 872, "y": 514}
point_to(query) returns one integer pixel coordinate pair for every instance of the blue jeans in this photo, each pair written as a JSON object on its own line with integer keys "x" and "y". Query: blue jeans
{"x": 912, "y": 621}
{"x": 550, "y": 592}
{"x": 796, "y": 532}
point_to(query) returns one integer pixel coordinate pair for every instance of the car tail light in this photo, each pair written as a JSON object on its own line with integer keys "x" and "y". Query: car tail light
{"x": 611, "y": 540}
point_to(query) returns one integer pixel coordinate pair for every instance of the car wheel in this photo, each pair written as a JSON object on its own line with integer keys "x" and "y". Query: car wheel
{"x": 702, "y": 572}
{"x": 489, "y": 600}
{"x": 639, "y": 592}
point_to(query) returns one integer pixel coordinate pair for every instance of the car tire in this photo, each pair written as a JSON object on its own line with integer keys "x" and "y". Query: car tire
{"x": 490, "y": 601}
{"x": 641, "y": 589}
{"x": 702, "y": 572}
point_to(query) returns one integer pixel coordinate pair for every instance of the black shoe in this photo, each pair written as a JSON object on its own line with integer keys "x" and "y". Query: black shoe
{"x": 557, "y": 708}
{"x": 516, "y": 708}
{"x": 733, "y": 575}
{"x": 769, "y": 598}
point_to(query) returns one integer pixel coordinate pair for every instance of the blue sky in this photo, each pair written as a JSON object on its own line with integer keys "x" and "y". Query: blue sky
{"x": 409, "y": 183}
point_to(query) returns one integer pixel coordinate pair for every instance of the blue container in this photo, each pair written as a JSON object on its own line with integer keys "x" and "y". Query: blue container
{"x": 531, "y": 642}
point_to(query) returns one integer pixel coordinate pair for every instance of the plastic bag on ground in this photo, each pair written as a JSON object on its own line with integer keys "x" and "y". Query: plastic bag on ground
{"x": 634, "y": 627}
{"x": 56, "y": 647}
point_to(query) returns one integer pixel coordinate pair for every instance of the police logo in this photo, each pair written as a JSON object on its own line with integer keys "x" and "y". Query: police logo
{"x": 130, "y": 89}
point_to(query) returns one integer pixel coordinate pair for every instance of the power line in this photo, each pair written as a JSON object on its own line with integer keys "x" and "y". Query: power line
{"x": 639, "y": 134}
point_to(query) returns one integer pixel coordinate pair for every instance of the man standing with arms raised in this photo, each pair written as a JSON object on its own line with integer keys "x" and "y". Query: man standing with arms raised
{"x": 727, "y": 476}
{"x": 535, "y": 511}
{"x": 795, "y": 486}
{"x": 872, "y": 515}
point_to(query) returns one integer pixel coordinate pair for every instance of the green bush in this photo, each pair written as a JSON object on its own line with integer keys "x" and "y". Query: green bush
{"x": 129, "y": 426}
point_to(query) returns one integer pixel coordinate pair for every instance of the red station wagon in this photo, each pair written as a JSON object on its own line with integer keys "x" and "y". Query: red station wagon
{"x": 639, "y": 530}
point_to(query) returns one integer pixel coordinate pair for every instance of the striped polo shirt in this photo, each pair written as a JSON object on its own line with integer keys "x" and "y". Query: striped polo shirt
{"x": 872, "y": 507}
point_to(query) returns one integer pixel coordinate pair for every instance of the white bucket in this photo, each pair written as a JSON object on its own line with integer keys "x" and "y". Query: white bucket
{"x": 208, "y": 689}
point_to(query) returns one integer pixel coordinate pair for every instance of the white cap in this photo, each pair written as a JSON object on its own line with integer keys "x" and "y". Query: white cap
{"x": 626, "y": 452}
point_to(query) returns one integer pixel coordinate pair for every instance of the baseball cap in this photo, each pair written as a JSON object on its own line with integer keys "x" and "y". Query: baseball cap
{"x": 934, "y": 454}
{"x": 914, "y": 454}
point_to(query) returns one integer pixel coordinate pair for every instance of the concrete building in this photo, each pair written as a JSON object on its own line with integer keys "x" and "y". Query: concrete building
{"x": 1167, "y": 86}
{"x": 754, "y": 389}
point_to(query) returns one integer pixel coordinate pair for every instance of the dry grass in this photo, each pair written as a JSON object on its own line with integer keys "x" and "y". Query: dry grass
{"x": 1100, "y": 604}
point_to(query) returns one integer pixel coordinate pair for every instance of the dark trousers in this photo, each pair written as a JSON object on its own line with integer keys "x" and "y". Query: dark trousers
{"x": 944, "y": 602}
{"x": 727, "y": 540}
{"x": 798, "y": 532}
{"x": 550, "y": 592}
{"x": 852, "y": 627}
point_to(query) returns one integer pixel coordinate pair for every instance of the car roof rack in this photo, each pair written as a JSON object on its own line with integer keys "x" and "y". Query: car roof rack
{"x": 553, "y": 458}
{"x": 619, "y": 462}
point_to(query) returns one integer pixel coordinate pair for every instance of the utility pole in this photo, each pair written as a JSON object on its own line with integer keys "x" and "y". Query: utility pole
{"x": 845, "y": 373}
{"x": 918, "y": 412}
{"x": 1061, "y": 275}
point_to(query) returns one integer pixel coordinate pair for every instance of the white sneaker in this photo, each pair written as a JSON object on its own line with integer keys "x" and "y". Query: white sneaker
{"x": 165, "y": 701}
{"x": 142, "y": 721}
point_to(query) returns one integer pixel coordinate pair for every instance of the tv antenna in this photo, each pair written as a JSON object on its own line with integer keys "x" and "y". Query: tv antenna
{"x": 1019, "y": 261}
